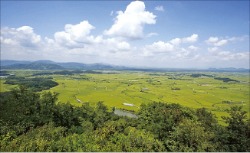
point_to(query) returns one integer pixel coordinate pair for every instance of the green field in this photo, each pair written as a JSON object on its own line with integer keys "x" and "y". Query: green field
{"x": 135, "y": 88}
{"x": 5, "y": 87}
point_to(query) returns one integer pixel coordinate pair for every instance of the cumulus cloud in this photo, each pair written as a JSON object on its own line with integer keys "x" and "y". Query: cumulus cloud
{"x": 191, "y": 39}
{"x": 159, "y": 8}
{"x": 22, "y": 36}
{"x": 113, "y": 45}
{"x": 215, "y": 41}
{"x": 130, "y": 23}
{"x": 75, "y": 35}
{"x": 220, "y": 54}
{"x": 176, "y": 41}
{"x": 212, "y": 39}
{"x": 160, "y": 46}
{"x": 76, "y": 43}
{"x": 173, "y": 48}
{"x": 79, "y": 36}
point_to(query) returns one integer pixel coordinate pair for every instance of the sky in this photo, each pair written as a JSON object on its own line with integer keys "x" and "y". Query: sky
{"x": 160, "y": 34}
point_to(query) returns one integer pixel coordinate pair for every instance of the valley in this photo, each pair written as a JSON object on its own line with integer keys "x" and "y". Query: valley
{"x": 129, "y": 89}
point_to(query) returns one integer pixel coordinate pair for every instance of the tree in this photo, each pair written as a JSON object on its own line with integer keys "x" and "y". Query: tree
{"x": 207, "y": 119}
{"x": 40, "y": 139}
{"x": 101, "y": 114}
{"x": 20, "y": 110}
{"x": 161, "y": 118}
{"x": 190, "y": 136}
{"x": 47, "y": 107}
{"x": 236, "y": 137}
{"x": 65, "y": 115}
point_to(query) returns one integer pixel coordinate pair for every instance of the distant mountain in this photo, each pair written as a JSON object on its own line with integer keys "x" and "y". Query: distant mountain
{"x": 72, "y": 65}
{"x": 34, "y": 66}
{"x": 229, "y": 69}
{"x": 44, "y": 62}
{"x": 11, "y": 62}
{"x": 50, "y": 65}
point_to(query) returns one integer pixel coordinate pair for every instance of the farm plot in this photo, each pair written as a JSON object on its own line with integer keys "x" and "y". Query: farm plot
{"x": 137, "y": 88}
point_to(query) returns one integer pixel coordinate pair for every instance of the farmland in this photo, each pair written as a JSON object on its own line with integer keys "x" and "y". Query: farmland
{"x": 215, "y": 91}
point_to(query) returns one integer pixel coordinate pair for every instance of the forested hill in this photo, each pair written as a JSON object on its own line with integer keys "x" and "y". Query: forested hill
{"x": 33, "y": 122}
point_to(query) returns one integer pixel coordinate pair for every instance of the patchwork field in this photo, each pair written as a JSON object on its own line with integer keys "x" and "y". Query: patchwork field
{"x": 128, "y": 90}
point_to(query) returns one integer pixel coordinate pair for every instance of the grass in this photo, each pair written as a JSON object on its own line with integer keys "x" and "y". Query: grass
{"x": 5, "y": 87}
{"x": 139, "y": 87}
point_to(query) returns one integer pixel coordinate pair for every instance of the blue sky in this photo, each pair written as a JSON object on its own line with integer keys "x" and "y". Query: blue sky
{"x": 181, "y": 34}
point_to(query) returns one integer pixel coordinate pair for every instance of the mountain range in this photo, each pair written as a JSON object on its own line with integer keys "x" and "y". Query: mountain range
{"x": 51, "y": 65}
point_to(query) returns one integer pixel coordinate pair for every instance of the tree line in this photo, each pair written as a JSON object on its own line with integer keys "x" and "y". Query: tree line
{"x": 31, "y": 121}
{"x": 35, "y": 84}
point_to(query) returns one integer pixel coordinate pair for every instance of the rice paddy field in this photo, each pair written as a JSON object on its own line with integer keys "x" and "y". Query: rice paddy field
{"x": 128, "y": 90}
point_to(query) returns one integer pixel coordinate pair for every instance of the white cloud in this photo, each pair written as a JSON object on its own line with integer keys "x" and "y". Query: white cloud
{"x": 213, "y": 49}
{"x": 212, "y": 39}
{"x": 194, "y": 48}
{"x": 160, "y": 47}
{"x": 23, "y": 36}
{"x": 175, "y": 41}
{"x": 26, "y": 33}
{"x": 215, "y": 41}
{"x": 221, "y": 43}
{"x": 79, "y": 31}
{"x": 79, "y": 36}
{"x": 130, "y": 23}
{"x": 152, "y": 34}
{"x": 113, "y": 45}
{"x": 219, "y": 54}
{"x": 159, "y": 8}
{"x": 226, "y": 55}
{"x": 20, "y": 43}
{"x": 75, "y": 35}
{"x": 172, "y": 49}
{"x": 240, "y": 38}
{"x": 191, "y": 39}
{"x": 76, "y": 43}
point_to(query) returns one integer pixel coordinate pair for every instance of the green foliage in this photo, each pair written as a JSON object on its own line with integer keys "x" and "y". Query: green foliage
{"x": 226, "y": 79}
{"x": 190, "y": 136}
{"x": 236, "y": 136}
{"x": 101, "y": 115}
{"x": 161, "y": 118}
{"x": 206, "y": 118}
{"x": 22, "y": 109}
{"x": 36, "y": 84}
{"x": 63, "y": 72}
{"x": 38, "y": 140}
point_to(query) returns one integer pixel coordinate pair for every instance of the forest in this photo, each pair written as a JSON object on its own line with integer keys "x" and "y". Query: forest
{"x": 32, "y": 121}
{"x": 36, "y": 84}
